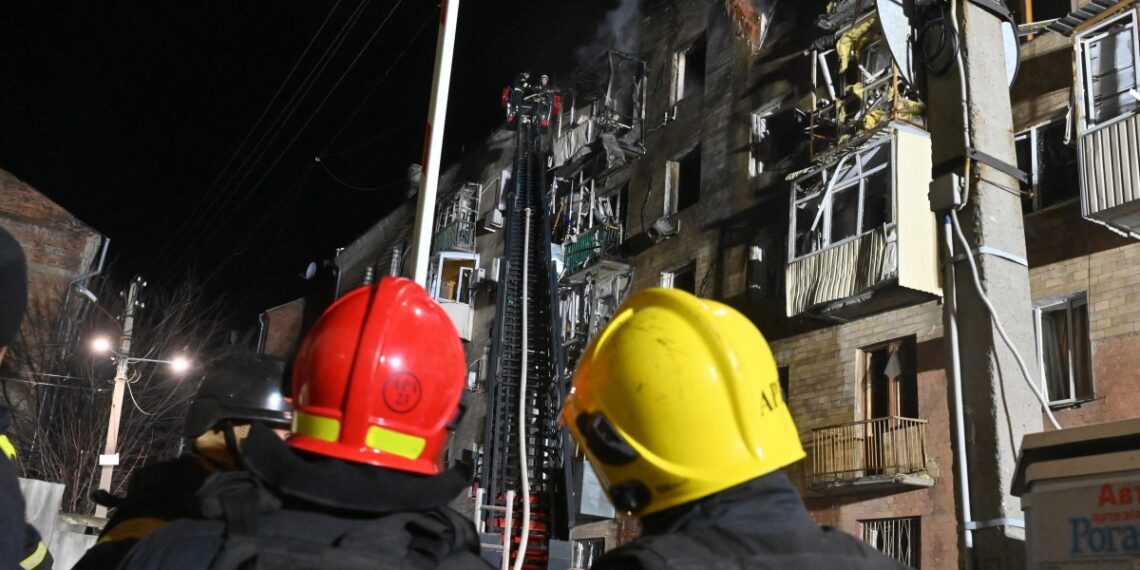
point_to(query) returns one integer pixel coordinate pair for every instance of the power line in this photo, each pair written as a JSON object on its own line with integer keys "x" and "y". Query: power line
{"x": 430, "y": 18}
{"x": 355, "y": 187}
{"x": 312, "y": 116}
{"x": 275, "y": 128}
{"x": 256, "y": 124}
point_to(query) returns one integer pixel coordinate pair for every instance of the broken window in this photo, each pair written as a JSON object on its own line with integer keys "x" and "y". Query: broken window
{"x": 683, "y": 278}
{"x": 689, "y": 70}
{"x": 832, "y": 206}
{"x": 1107, "y": 58}
{"x": 455, "y": 219}
{"x": 773, "y": 137}
{"x": 1064, "y": 350}
{"x": 683, "y": 181}
{"x": 898, "y": 538}
{"x": 454, "y": 275}
{"x": 890, "y": 381}
{"x": 1051, "y": 165}
{"x": 1029, "y": 11}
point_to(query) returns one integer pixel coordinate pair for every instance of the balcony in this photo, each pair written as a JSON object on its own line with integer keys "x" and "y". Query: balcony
{"x": 589, "y": 246}
{"x": 1107, "y": 92}
{"x": 871, "y": 455}
{"x": 457, "y": 236}
{"x": 862, "y": 239}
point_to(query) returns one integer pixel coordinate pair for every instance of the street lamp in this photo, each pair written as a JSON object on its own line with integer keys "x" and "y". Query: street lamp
{"x": 179, "y": 364}
{"x": 103, "y": 345}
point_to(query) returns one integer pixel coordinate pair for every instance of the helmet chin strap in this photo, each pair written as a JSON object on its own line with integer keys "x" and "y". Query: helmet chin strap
{"x": 231, "y": 439}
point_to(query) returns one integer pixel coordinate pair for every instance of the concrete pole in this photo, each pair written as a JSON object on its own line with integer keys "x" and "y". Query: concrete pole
{"x": 1000, "y": 406}
{"x": 433, "y": 141}
{"x": 110, "y": 452}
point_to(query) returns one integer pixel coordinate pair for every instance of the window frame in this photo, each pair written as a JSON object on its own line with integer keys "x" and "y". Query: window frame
{"x": 680, "y": 63}
{"x": 674, "y": 172}
{"x": 667, "y": 279}
{"x": 1067, "y": 303}
{"x": 1033, "y": 135}
{"x": 1080, "y": 42}
{"x": 826, "y": 197}
{"x": 437, "y": 277}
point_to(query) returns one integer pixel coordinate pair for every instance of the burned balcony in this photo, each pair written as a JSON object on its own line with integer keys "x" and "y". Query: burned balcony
{"x": 605, "y": 112}
{"x": 587, "y": 247}
{"x": 870, "y": 455}
{"x": 1108, "y": 112}
{"x": 862, "y": 239}
{"x": 455, "y": 221}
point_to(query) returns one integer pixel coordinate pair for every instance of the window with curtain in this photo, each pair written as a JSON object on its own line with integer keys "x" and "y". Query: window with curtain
{"x": 1064, "y": 349}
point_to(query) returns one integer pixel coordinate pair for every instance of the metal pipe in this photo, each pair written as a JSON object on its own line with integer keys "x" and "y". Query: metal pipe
{"x": 963, "y": 482}
{"x": 524, "y": 531}
{"x": 433, "y": 133}
{"x": 506, "y": 562}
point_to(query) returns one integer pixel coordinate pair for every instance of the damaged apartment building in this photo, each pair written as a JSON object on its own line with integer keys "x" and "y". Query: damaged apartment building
{"x": 732, "y": 154}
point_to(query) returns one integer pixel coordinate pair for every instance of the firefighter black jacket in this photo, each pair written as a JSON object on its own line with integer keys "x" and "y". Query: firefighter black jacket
{"x": 759, "y": 524}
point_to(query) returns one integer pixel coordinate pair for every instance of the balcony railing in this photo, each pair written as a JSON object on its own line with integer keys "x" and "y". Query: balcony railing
{"x": 589, "y": 246}
{"x": 458, "y": 236}
{"x": 882, "y": 448}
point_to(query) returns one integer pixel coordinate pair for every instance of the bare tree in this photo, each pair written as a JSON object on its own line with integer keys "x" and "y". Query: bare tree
{"x": 60, "y": 392}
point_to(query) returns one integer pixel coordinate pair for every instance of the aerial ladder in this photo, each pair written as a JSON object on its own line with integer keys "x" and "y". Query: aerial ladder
{"x": 525, "y": 476}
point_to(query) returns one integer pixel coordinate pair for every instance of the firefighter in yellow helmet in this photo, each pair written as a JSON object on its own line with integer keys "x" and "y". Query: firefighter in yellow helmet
{"x": 677, "y": 404}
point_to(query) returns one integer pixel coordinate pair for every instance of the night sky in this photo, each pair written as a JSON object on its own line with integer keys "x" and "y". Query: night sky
{"x": 132, "y": 114}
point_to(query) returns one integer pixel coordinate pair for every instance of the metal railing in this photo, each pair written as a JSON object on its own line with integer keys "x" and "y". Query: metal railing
{"x": 870, "y": 448}
{"x": 457, "y": 236}
{"x": 899, "y": 539}
{"x": 589, "y": 246}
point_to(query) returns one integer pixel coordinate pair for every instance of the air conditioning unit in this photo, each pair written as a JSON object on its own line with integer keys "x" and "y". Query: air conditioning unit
{"x": 663, "y": 228}
{"x": 493, "y": 221}
{"x": 493, "y": 276}
{"x": 478, "y": 277}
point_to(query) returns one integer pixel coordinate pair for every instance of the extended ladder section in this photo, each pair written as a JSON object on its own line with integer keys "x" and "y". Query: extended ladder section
{"x": 526, "y": 350}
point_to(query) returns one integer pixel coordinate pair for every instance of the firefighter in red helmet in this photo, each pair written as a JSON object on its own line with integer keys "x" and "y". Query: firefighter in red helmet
{"x": 361, "y": 483}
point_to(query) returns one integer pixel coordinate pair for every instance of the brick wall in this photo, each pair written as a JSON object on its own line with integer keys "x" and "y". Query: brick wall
{"x": 823, "y": 390}
{"x": 283, "y": 329}
{"x": 57, "y": 245}
{"x": 1112, "y": 279}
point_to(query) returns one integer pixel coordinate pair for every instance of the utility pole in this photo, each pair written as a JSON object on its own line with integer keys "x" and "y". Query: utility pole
{"x": 433, "y": 141}
{"x": 110, "y": 456}
{"x": 999, "y": 404}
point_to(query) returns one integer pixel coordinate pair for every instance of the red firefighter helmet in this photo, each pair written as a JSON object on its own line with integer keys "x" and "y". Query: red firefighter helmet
{"x": 379, "y": 378}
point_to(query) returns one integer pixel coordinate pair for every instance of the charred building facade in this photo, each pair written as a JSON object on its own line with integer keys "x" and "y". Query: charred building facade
{"x": 733, "y": 154}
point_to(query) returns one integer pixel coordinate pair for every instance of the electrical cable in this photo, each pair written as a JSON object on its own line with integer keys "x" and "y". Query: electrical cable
{"x": 233, "y": 211}
{"x": 968, "y": 252}
{"x": 395, "y": 61}
{"x": 341, "y": 181}
{"x": 296, "y": 65}
{"x": 275, "y": 128}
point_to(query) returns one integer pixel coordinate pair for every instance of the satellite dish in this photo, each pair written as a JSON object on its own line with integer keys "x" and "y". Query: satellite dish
{"x": 894, "y": 18}
{"x": 311, "y": 271}
{"x": 1012, "y": 50}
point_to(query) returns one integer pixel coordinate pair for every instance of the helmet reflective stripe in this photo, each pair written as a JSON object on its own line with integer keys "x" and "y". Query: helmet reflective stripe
{"x": 378, "y": 438}
{"x": 7, "y": 447}
{"x": 36, "y": 558}
{"x": 324, "y": 429}
{"x": 394, "y": 442}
